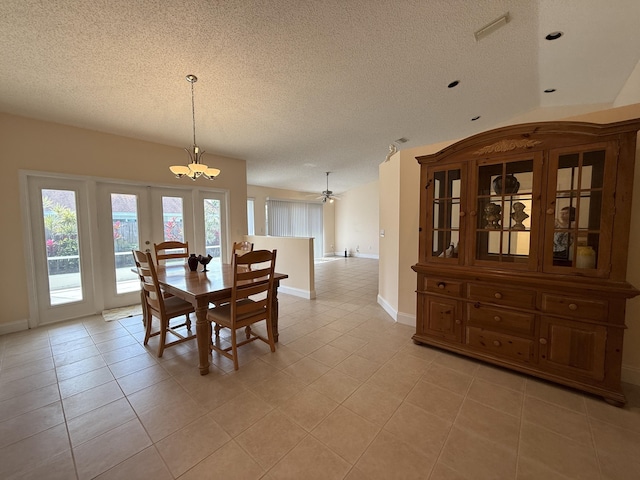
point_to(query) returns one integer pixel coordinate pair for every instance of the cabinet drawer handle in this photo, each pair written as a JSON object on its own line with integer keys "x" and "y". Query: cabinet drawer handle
{"x": 543, "y": 341}
{"x": 498, "y": 295}
{"x": 573, "y": 306}
{"x": 497, "y": 318}
{"x": 496, "y": 343}
{"x": 441, "y": 285}
{"x": 462, "y": 214}
{"x": 458, "y": 322}
{"x": 550, "y": 211}
{"x": 473, "y": 213}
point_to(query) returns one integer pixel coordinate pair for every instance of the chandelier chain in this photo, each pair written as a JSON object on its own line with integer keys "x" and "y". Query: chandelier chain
{"x": 193, "y": 113}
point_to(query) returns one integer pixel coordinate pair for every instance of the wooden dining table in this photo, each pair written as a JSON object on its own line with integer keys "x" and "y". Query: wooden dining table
{"x": 200, "y": 288}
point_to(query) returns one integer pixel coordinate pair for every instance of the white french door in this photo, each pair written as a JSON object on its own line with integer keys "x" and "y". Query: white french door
{"x": 135, "y": 218}
{"x": 211, "y": 215}
{"x": 81, "y": 233}
{"x": 61, "y": 265}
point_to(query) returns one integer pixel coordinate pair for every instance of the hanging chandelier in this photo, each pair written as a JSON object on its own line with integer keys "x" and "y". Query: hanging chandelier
{"x": 196, "y": 168}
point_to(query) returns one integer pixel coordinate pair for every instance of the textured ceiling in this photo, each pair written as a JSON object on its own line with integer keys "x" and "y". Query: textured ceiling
{"x": 301, "y": 87}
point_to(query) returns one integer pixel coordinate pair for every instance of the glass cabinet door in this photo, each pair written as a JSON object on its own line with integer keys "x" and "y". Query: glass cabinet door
{"x": 444, "y": 211}
{"x": 576, "y": 210}
{"x": 505, "y": 209}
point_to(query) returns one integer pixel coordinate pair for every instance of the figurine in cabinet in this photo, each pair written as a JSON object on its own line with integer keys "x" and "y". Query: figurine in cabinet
{"x": 561, "y": 239}
{"x": 519, "y": 215}
{"x": 492, "y": 215}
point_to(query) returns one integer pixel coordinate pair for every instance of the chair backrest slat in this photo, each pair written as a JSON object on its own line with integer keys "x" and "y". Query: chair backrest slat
{"x": 171, "y": 250}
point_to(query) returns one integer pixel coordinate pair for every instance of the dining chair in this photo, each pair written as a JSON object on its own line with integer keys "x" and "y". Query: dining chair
{"x": 239, "y": 248}
{"x": 251, "y": 302}
{"x": 164, "y": 309}
{"x": 242, "y": 247}
{"x": 170, "y": 250}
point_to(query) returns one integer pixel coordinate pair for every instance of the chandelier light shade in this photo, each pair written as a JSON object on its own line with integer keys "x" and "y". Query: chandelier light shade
{"x": 195, "y": 168}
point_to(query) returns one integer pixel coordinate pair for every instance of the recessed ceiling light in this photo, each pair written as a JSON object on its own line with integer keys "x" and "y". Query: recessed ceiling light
{"x": 554, "y": 35}
{"x": 550, "y": 90}
{"x": 453, "y": 84}
{"x": 475, "y": 118}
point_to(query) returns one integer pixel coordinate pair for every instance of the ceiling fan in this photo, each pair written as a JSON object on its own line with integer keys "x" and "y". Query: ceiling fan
{"x": 328, "y": 194}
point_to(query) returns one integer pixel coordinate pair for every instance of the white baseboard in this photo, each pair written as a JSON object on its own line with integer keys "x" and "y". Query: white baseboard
{"x": 366, "y": 255}
{"x": 406, "y": 319}
{"x": 631, "y": 375}
{"x": 297, "y": 292}
{"x": 12, "y": 327}
{"x": 393, "y": 313}
{"x": 359, "y": 255}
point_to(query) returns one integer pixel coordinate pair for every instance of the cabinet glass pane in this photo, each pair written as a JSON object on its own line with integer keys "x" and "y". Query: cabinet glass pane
{"x": 446, "y": 213}
{"x": 505, "y": 195}
{"x": 576, "y": 235}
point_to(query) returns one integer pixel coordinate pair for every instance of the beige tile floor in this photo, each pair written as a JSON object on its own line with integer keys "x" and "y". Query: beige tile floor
{"x": 346, "y": 395}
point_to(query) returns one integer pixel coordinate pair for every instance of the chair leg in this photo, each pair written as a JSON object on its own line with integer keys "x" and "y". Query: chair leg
{"x": 163, "y": 337}
{"x": 272, "y": 344}
{"x": 217, "y": 329}
{"x": 188, "y": 322}
{"x": 234, "y": 348}
{"x": 147, "y": 332}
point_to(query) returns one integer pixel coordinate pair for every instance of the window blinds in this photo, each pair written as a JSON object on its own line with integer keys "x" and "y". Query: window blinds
{"x": 286, "y": 218}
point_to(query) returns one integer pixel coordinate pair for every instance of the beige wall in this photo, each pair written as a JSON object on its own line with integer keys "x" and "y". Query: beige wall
{"x": 260, "y": 195}
{"x": 295, "y": 258}
{"x": 27, "y": 144}
{"x": 390, "y": 226}
{"x": 357, "y": 217}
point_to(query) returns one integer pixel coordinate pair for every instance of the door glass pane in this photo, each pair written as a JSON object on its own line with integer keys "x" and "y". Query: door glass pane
{"x": 212, "y": 228}
{"x": 124, "y": 217}
{"x": 59, "y": 210}
{"x": 173, "y": 219}
{"x": 250, "y": 217}
{"x": 576, "y": 235}
{"x": 505, "y": 196}
{"x": 446, "y": 213}
{"x": 173, "y": 225}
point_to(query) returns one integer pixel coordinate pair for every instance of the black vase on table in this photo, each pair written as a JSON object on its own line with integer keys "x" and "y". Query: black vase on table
{"x": 192, "y": 261}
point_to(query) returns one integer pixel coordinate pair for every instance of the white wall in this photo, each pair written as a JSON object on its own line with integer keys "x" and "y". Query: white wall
{"x": 357, "y": 217}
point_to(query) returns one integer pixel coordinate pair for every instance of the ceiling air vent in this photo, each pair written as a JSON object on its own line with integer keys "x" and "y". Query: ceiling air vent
{"x": 489, "y": 28}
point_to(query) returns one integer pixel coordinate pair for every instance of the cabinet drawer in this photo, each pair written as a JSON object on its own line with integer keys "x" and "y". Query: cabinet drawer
{"x": 446, "y": 287}
{"x": 502, "y": 295}
{"x": 500, "y": 319}
{"x": 495, "y": 343}
{"x": 577, "y": 307}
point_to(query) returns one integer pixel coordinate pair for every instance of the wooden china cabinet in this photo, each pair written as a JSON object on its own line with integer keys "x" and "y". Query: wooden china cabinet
{"x": 524, "y": 232}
